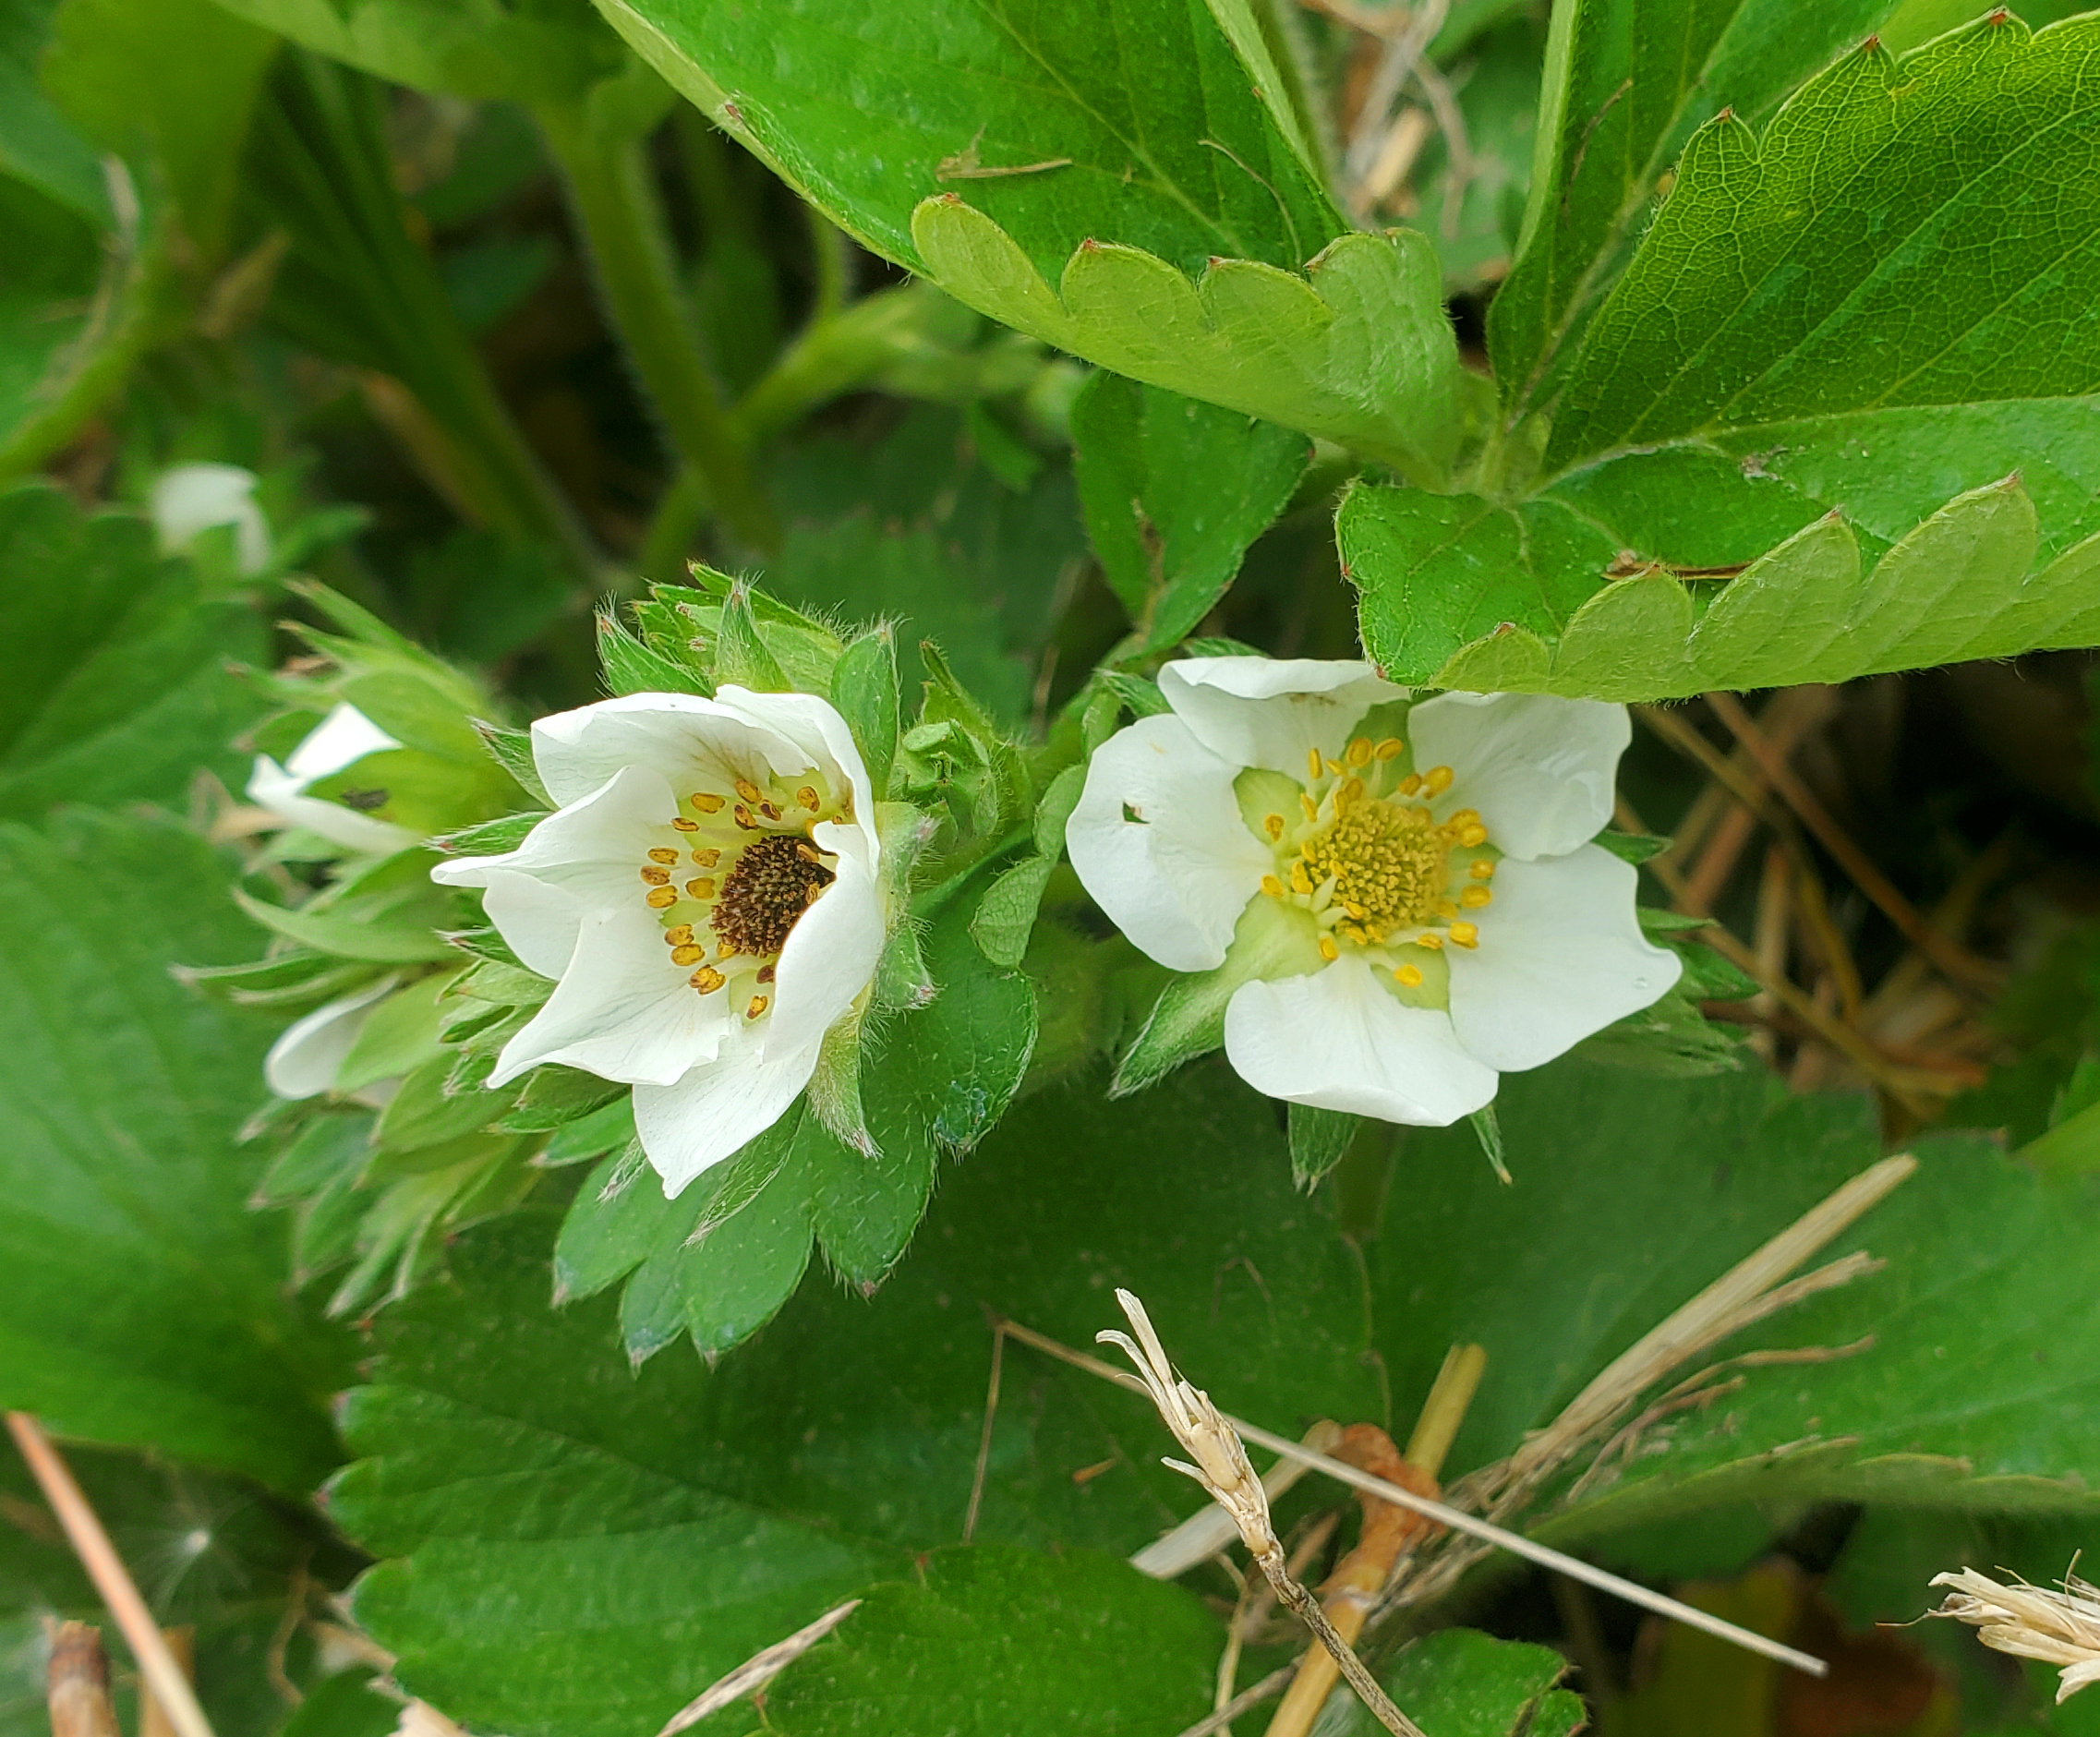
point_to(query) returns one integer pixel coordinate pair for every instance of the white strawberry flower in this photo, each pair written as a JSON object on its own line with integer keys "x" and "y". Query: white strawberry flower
{"x": 335, "y": 744}
{"x": 1406, "y": 894}
{"x": 189, "y": 500}
{"x": 708, "y": 897}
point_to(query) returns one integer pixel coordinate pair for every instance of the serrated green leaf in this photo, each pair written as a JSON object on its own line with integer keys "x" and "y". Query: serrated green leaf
{"x": 120, "y": 1095}
{"x": 1141, "y": 126}
{"x": 705, "y": 1514}
{"x": 1175, "y": 491}
{"x": 1006, "y": 915}
{"x": 1357, "y": 351}
{"x": 1838, "y": 227}
{"x": 114, "y": 684}
{"x": 1460, "y": 1682}
{"x": 1969, "y": 1393}
{"x": 611, "y": 1226}
{"x": 1081, "y": 1616}
{"x": 1622, "y": 93}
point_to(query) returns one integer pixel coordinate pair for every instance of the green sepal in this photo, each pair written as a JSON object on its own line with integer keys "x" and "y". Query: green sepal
{"x": 864, "y": 689}
{"x": 512, "y": 750}
{"x": 552, "y": 1096}
{"x": 1138, "y": 694}
{"x": 1670, "y": 1038}
{"x": 1188, "y": 1020}
{"x": 902, "y": 980}
{"x": 1632, "y": 847}
{"x": 835, "y": 1087}
{"x": 1318, "y": 1138}
{"x": 741, "y": 655}
{"x": 632, "y": 666}
{"x": 1005, "y": 914}
{"x": 491, "y": 838}
{"x": 429, "y": 1112}
{"x": 349, "y": 932}
{"x": 1487, "y": 1130}
{"x": 399, "y": 1035}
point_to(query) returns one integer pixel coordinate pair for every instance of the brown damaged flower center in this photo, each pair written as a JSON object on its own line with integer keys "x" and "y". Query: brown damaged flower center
{"x": 776, "y": 879}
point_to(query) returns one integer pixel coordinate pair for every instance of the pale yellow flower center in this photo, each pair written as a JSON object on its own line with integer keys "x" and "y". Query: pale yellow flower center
{"x": 1383, "y": 865}
{"x": 736, "y": 870}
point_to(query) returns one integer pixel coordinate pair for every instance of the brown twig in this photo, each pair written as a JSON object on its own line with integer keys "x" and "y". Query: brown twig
{"x": 1265, "y": 1690}
{"x": 163, "y": 1677}
{"x": 757, "y": 1671}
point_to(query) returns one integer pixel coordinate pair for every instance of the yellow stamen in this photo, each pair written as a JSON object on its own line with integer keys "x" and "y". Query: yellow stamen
{"x": 661, "y": 897}
{"x": 809, "y": 799}
{"x": 1464, "y": 817}
{"x": 747, "y": 790}
{"x": 1311, "y": 808}
{"x": 1351, "y": 789}
{"x": 770, "y": 811}
{"x": 1466, "y": 934}
{"x": 657, "y": 876}
{"x": 1389, "y": 749}
{"x": 700, "y": 886}
{"x": 1437, "y": 779}
{"x": 1328, "y": 950}
{"x": 1410, "y": 784}
{"x": 1333, "y": 768}
{"x": 680, "y": 935}
{"x": 1312, "y": 763}
{"x": 1476, "y": 897}
{"x": 1483, "y": 870}
{"x": 707, "y": 859}
{"x": 1273, "y": 825}
{"x": 758, "y": 1005}
{"x": 663, "y": 854}
{"x": 1408, "y": 976}
{"x": 1444, "y": 908}
{"x": 1473, "y": 836}
{"x": 706, "y": 802}
{"x": 683, "y": 825}
{"x": 1433, "y": 942}
{"x": 1358, "y": 755}
{"x": 1271, "y": 886}
{"x": 741, "y": 815}
{"x": 687, "y": 955}
{"x": 1302, "y": 883}
{"x": 1354, "y": 909}
{"x": 706, "y": 980}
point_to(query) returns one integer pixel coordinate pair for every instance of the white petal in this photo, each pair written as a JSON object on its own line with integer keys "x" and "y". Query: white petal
{"x": 341, "y": 739}
{"x": 1335, "y": 1039}
{"x": 195, "y": 498}
{"x": 621, "y": 1009}
{"x": 1561, "y": 956}
{"x": 711, "y": 1113}
{"x": 310, "y": 1052}
{"x": 830, "y": 954}
{"x": 1539, "y": 770}
{"x": 282, "y": 794}
{"x": 819, "y": 735}
{"x": 1272, "y": 711}
{"x": 585, "y": 857}
{"x": 1176, "y": 879}
{"x": 693, "y": 743}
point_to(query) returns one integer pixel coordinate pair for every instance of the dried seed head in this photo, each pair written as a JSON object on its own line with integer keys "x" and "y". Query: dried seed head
{"x": 2059, "y": 1628}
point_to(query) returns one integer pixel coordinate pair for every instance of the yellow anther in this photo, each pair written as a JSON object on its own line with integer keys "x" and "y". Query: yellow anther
{"x": 1273, "y": 825}
{"x": 741, "y": 815}
{"x": 1473, "y": 836}
{"x": 663, "y": 854}
{"x": 770, "y": 811}
{"x": 706, "y": 802}
{"x": 1333, "y": 768}
{"x": 1466, "y": 934}
{"x": 766, "y": 974}
{"x": 809, "y": 799}
{"x": 661, "y": 897}
{"x": 700, "y": 886}
{"x": 1437, "y": 779}
{"x": 1389, "y": 749}
{"x": 1444, "y": 908}
{"x": 1476, "y": 897}
{"x": 683, "y": 825}
{"x": 1433, "y": 942}
{"x": 1408, "y": 976}
{"x": 706, "y": 980}
{"x": 1464, "y": 817}
{"x": 1358, "y": 755}
{"x": 1311, "y": 808}
{"x": 657, "y": 876}
{"x": 1302, "y": 883}
{"x": 1410, "y": 784}
{"x": 679, "y": 935}
{"x": 1351, "y": 789}
{"x": 1354, "y": 909}
{"x": 758, "y": 1005}
{"x": 1483, "y": 870}
{"x": 707, "y": 859}
{"x": 747, "y": 790}
{"x": 1349, "y": 931}
{"x": 1312, "y": 763}
{"x": 1328, "y": 950}
{"x": 1271, "y": 886}
{"x": 687, "y": 955}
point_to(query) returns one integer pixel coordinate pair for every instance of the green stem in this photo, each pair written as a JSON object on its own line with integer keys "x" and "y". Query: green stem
{"x": 622, "y": 223}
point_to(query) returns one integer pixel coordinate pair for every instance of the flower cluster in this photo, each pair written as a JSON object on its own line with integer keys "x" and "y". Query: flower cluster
{"x": 1405, "y": 895}
{"x": 709, "y": 897}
